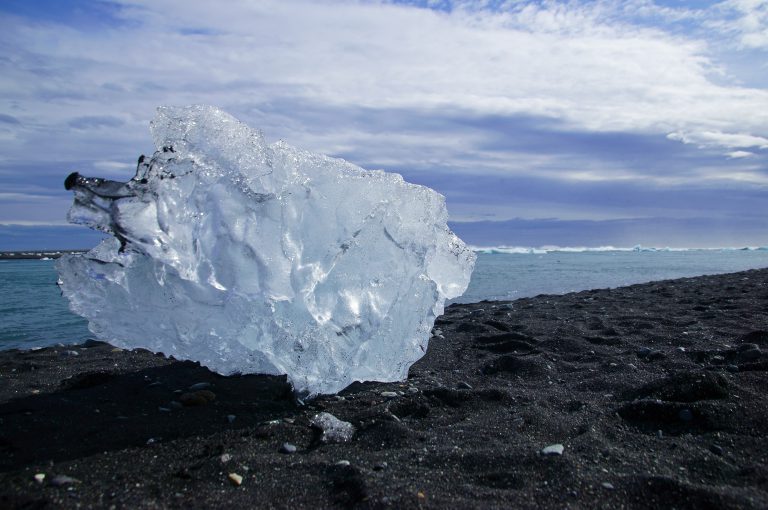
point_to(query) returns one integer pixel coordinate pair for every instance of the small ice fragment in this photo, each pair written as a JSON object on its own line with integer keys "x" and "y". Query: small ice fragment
{"x": 333, "y": 430}
{"x": 553, "y": 449}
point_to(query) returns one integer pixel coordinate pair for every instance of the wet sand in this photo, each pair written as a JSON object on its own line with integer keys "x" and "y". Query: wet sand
{"x": 657, "y": 393}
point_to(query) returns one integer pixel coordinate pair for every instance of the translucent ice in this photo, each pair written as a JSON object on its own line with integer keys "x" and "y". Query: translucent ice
{"x": 332, "y": 429}
{"x": 257, "y": 258}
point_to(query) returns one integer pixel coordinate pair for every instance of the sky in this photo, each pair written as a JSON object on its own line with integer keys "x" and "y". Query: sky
{"x": 543, "y": 123}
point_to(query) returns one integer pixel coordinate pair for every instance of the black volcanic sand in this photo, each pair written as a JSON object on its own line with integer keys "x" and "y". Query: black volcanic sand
{"x": 657, "y": 392}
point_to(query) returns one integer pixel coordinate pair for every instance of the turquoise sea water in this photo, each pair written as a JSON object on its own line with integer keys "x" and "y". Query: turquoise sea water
{"x": 33, "y": 313}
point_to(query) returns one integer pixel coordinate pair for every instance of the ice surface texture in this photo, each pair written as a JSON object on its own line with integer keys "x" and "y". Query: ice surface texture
{"x": 257, "y": 258}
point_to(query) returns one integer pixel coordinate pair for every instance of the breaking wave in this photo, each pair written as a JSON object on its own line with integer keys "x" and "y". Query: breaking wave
{"x": 527, "y": 250}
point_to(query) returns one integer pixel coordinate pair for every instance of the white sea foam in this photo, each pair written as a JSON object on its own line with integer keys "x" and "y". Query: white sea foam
{"x": 541, "y": 250}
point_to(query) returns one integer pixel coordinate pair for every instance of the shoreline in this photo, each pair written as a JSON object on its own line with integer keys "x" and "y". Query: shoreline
{"x": 656, "y": 393}
{"x": 36, "y": 254}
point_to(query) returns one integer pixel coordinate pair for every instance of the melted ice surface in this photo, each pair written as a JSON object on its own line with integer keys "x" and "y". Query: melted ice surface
{"x": 257, "y": 258}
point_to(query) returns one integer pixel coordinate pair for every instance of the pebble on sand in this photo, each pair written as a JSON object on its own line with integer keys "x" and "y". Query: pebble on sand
{"x": 40, "y": 477}
{"x": 60, "y": 480}
{"x": 198, "y": 398}
{"x": 287, "y": 448}
{"x": 236, "y": 479}
{"x": 553, "y": 449}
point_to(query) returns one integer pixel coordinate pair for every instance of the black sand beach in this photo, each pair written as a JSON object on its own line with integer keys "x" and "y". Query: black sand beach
{"x": 658, "y": 394}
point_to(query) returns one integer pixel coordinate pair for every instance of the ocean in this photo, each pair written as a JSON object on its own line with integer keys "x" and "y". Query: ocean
{"x": 34, "y": 314}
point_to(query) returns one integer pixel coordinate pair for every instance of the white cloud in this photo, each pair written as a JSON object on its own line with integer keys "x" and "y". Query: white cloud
{"x": 746, "y": 20}
{"x": 588, "y": 66}
{"x": 706, "y": 139}
{"x": 740, "y": 154}
{"x": 15, "y": 197}
{"x": 113, "y": 167}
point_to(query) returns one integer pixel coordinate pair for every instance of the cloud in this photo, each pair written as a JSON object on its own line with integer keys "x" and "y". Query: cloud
{"x": 568, "y": 94}
{"x": 113, "y": 167}
{"x": 95, "y": 122}
{"x": 740, "y": 154}
{"x": 563, "y": 61}
{"x": 720, "y": 139}
{"x": 746, "y": 20}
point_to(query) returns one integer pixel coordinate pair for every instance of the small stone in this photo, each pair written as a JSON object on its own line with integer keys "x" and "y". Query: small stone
{"x": 643, "y": 352}
{"x": 175, "y": 404}
{"x": 59, "y": 480}
{"x": 389, "y": 394}
{"x": 732, "y": 368}
{"x": 685, "y": 415}
{"x": 413, "y": 389}
{"x": 553, "y": 449}
{"x": 231, "y": 418}
{"x": 287, "y": 448}
{"x": 40, "y": 477}
{"x": 608, "y": 485}
{"x": 716, "y": 449}
{"x": 225, "y": 457}
{"x": 236, "y": 479}
{"x": 289, "y": 421}
{"x": 164, "y": 409}
{"x": 200, "y": 386}
{"x": 343, "y": 463}
{"x": 463, "y": 385}
{"x": 198, "y": 398}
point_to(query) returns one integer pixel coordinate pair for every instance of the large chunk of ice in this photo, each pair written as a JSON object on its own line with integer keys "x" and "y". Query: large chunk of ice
{"x": 257, "y": 258}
